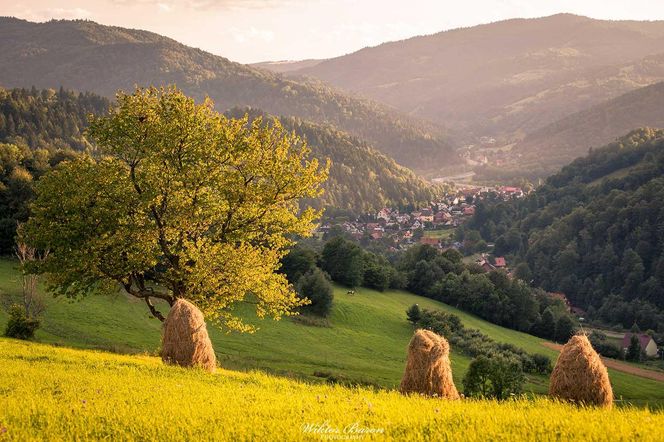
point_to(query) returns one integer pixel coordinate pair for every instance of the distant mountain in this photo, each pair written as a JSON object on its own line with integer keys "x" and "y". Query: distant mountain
{"x": 281, "y": 67}
{"x": 558, "y": 143}
{"x": 86, "y": 56}
{"x": 594, "y": 231}
{"x": 506, "y": 78}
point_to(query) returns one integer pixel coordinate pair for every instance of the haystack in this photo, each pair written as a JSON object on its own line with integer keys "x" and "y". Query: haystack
{"x": 185, "y": 339}
{"x": 580, "y": 375}
{"x": 428, "y": 369}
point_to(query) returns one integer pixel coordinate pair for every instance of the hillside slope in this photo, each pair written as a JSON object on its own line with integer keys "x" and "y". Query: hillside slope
{"x": 560, "y": 142}
{"x": 594, "y": 231}
{"x": 505, "y": 78}
{"x": 361, "y": 178}
{"x": 86, "y": 56}
{"x": 58, "y": 393}
{"x": 364, "y": 343}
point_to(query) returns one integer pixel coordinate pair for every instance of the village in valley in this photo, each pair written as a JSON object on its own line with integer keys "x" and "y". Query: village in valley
{"x": 433, "y": 225}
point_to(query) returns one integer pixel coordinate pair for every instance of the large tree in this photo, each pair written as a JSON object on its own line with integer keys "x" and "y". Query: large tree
{"x": 179, "y": 202}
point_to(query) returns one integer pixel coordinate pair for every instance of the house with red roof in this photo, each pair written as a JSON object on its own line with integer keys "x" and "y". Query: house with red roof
{"x": 499, "y": 262}
{"x": 647, "y": 343}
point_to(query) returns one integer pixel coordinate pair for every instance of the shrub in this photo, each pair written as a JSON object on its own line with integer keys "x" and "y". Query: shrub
{"x": 315, "y": 286}
{"x": 495, "y": 376}
{"x": 414, "y": 314}
{"x": 20, "y": 326}
{"x": 542, "y": 363}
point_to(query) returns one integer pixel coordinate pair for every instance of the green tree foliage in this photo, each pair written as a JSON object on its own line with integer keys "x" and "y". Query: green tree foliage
{"x": 492, "y": 296}
{"x": 19, "y": 325}
{"x": 594, "y": 231}
{"x": 565, "y": 329}
{"x": 634, "y": 350}
{"x": 377, "y": 272}
{"x": 343, "y": 261}
{"x": 299, "y": 261}
{"x": 414, "y": 314}
{"x": 182, "y": 202}
{"x": 45, "y": 126}
{"x": 497, "y": 377}
{"x": 316, "y": 287}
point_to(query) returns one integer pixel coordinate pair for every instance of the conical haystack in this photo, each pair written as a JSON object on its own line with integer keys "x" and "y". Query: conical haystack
{"x": 428, "y": 369}
{"x": 185, "y": 339}
{"x": 580, "y": 375}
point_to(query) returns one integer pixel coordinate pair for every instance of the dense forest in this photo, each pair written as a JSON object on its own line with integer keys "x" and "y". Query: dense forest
{"x": 361, "y": 178}
{"x": 594, "y": 231}
{"x": 40, "y": 128}
{"x": 86, "y": 56}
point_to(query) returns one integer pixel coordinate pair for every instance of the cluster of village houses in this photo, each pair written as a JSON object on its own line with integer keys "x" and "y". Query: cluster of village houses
{"x": 407, "y": 228}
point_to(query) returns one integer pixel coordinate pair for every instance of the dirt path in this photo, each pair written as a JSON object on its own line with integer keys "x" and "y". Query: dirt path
{"x": 620, "y": 366}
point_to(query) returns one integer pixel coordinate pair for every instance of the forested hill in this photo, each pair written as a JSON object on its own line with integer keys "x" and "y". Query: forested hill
{"x": 361, "y": 178}
{"x": 40, "y": 128}
{"x": 562, "y": 141}
{"x": 86, "y": 56}
{"x": 594, "y": 231}
{"x": 47, "y": 119}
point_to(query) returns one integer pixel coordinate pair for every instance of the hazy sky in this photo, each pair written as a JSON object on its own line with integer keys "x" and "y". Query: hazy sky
{"x": 257, "y": 30}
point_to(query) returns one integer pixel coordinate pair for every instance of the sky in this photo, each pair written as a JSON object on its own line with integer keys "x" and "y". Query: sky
{"x": 259, "y": 30}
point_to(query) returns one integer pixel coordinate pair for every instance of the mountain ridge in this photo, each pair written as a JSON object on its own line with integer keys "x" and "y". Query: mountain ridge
{"x": 86, "y": 56}
{"x": 504, "y": 78}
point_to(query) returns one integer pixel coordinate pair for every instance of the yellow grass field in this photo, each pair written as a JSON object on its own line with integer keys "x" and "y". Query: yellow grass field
{"x": 52, "y": 393}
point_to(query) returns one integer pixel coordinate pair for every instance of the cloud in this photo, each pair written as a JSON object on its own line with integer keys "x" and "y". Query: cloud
{"x": 164, "y": 7}
{"x": 251, "y": 34}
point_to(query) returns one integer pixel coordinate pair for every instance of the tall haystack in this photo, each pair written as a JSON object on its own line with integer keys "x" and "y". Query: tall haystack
{"x": 580, "y": 375}
{"x": 185, "y": 339}
{"x": 428, "y": 369}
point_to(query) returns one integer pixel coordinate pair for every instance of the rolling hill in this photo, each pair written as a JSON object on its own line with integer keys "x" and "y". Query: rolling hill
{"x": 559, "y": 143}
{"x": 364, "y": 342}
{"x": 506, "y": 78}
{"x": 86, "y": 56}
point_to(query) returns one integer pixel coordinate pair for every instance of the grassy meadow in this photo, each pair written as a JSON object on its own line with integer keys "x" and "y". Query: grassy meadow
{"x": 364, "y": 341}
{"x": 68, "y": 394}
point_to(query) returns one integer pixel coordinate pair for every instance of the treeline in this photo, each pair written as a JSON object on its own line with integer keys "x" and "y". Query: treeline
{"x": 38, "y": 130}
{"x": 47, "y": 119}
{"x": 594, "y": 231}
{"x": 493, "y": 295}
{"x": 443, "y": 276}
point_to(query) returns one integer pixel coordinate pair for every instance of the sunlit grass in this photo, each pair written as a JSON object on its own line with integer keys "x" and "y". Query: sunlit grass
{"x": 51, "y": 393}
